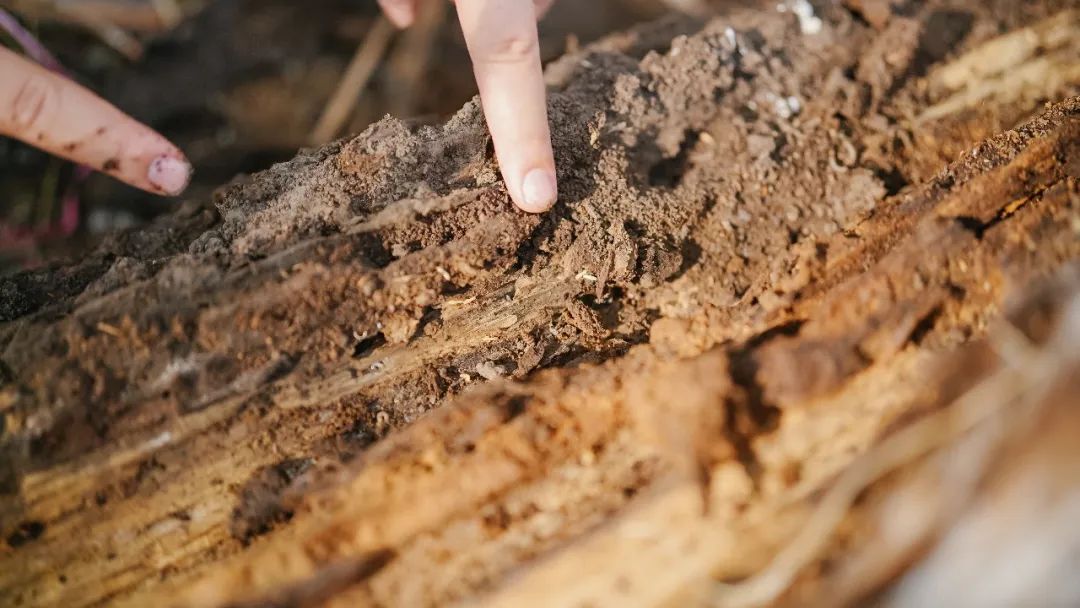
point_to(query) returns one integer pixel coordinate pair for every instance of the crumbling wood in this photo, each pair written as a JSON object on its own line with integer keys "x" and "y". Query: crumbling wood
{"x": 362, "y": 378}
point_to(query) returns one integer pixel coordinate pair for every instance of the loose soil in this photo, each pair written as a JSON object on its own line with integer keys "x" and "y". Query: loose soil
{"x": 240, "y": 85}
{"x": 362, "y": 378}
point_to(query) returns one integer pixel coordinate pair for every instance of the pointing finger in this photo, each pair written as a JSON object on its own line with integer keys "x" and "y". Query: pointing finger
{"x": 50, "y": 112}
{"x": 502, "y": 40}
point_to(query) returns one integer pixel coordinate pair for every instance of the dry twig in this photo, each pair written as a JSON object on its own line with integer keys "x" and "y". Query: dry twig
{"x": 353, "y": 81}
{"x": 411, "y": 57}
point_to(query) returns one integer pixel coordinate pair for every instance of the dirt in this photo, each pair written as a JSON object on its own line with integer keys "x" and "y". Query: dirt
{"x": 239, "y": 85}
{"x": 362, "y": 377}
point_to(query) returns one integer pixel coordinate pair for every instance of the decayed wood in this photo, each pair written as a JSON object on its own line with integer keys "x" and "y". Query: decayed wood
{"x": 694, "y": 456}
{"x": 413, "y": 493}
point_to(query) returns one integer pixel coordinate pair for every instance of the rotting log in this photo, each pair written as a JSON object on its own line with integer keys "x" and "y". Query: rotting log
{"x": 361, "y": 378}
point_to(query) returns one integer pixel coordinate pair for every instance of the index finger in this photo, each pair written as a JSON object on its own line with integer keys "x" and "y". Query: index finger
{"x": 502, "y": 40}
{"x": 51, "y": 112}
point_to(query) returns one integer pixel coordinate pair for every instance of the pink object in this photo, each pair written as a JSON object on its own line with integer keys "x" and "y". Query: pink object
{"x": 169, "y": 174}
{"x": 539, "y": 190}
{"x": 29, "y": 43}
{"x": 24, "y": 237}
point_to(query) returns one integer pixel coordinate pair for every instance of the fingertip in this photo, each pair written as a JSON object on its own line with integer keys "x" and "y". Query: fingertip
{"x": 502, "y": 40}
{"x": 539, "y": 191}
{"x": 169, "y": 174}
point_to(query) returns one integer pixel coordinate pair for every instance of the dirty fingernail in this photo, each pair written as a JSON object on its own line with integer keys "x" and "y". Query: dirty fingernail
{"x": 539, "y": 190}
{"x": 170, "y": 175}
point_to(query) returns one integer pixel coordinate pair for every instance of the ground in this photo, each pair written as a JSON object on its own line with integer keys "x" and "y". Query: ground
{"x": 240, "y": 85}
{"x": 810, "y": 271}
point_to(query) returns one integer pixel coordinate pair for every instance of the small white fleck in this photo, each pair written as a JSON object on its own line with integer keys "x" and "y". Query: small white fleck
{"x": 780, "y": 105}
{"x": 158, "y": 441}
{"x": 782, "y": 109}
{"x": 808, "y": 21}
{"x": 794, "y": 103}
{"x": 585, "y": 275}
{"x": 730, "y": 35}
{"x": 489, "y": 371}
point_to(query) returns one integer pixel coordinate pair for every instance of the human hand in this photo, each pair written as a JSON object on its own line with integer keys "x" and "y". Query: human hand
{"x": 502, "y": 39}
{"x": 48, "y": 111}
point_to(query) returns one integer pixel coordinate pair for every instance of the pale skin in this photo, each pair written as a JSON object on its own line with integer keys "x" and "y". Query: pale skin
{"x": 49, "y": 111}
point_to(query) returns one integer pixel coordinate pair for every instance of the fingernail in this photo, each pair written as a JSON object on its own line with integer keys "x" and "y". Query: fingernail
{"x": 169, "y": 174}
{"x": 539, "y": 190}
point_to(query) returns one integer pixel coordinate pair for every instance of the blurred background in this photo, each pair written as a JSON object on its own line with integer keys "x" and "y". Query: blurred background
{"x": 239, "y": 85}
